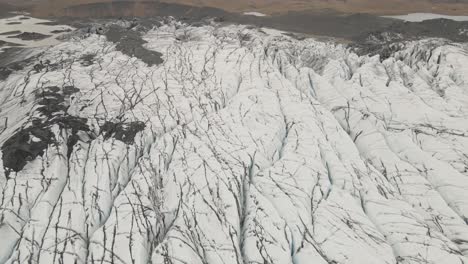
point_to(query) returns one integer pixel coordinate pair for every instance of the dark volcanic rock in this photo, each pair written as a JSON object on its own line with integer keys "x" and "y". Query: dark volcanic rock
{"x": 439, "y": 28}
{"x": 49, "y": 23}
{"x": 30, "y": 36}
{"x": 14, "y": 59}
{"x": 32, "y": 140}
{"x": 4, "y": 73}
{"x": 87, "y": 59}
{"x": 69, "y": 90}
{"x": 131, "y": 43}
{"x": 386, "y": 41}
{"x": 4, "y": 43}
{"x": 124, "y": 132}
{"x": 13, "y": 23}
{"x": 60, "y": 31}
{"x": 25, "y": 146}
{"x": 15, "y": 32}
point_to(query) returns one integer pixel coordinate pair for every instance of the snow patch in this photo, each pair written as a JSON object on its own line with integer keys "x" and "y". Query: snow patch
{"x": 23, "y": 24}
{"x": 258, "y": 14}
{"x": 419, "y": 17}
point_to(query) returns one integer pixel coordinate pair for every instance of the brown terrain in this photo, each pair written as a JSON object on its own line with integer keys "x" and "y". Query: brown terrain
{"x": 139, "y": 7}
{"x": 345, "y": 6}
{"x": 349, "y": 21}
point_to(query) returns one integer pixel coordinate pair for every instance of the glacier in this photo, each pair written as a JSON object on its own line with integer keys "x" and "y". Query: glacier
{"x": 242, "y": 145}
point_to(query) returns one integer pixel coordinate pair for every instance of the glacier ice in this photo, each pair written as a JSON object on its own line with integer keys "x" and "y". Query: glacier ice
{"x": 243, "y": 145}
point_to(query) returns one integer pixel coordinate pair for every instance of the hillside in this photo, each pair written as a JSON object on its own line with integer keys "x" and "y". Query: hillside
{"x": 387, "y": 7}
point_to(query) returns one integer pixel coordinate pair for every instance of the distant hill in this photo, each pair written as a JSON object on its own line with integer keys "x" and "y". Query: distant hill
{"x": 348, "y": 6}
{"x": 5, "y": 8}
{"x": 138, "y": 7}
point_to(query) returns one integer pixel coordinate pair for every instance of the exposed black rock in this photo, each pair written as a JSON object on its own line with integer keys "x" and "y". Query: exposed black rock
{"x": 15, "y": 32}
{"x": 87, "y": 59}
{"x": 385, "y": 42}
{"x": 131, "y": 43}
{"x": 385, "y": 49}
{"x": 46, "y": 65}
{"x": 33, "y": 139}
{"x": 49, "y": 23}
{"x": 24, "y": 146}
{"x": 14, "y": 59}
{"x": 30, "y": 36}
{"x": 9, "y": 44}
{"x": 4, "y": 73}
{"x": 13, "y": 23}
{"x": 69, "y": 90}
{"x": 124, "y": 132}
{"x": 58, "y": 31}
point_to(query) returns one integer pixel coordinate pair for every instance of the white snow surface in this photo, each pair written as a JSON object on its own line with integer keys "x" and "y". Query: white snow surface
{"x": 259, "y": 149}
{"x": 252, "y": 13}
{"x": 419, "y": 17}
{"x": 30, "y": 24}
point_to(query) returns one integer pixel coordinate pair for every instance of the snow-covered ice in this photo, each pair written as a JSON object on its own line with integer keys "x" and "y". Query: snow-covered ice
{"x": 254, "y": 14}
{"x": 419, "y": 17}
{"x": 251, "y": 148}
{"x": 23, "y": 23}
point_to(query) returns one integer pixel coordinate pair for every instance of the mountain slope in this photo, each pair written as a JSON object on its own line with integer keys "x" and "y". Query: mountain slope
{"x": 242, "y": 145}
